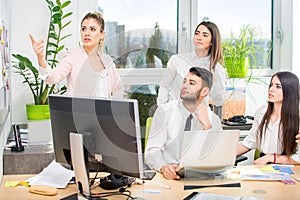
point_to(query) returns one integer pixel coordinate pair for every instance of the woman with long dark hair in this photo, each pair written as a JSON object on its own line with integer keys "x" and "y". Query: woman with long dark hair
{"x": 277, "y": 124}
{"x": 208, "y": 54}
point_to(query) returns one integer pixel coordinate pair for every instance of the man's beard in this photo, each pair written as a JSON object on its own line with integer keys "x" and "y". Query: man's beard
{"x": 192, "y": 97}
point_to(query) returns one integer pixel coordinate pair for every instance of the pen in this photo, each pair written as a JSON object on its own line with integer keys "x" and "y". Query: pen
{"x": 141, "y": 182}
{"x": 163, "y": 185}
{"x": 152, "y": 191}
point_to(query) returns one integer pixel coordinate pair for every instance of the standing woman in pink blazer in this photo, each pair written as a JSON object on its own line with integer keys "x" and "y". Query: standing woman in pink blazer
{"x": 88, "y": 70}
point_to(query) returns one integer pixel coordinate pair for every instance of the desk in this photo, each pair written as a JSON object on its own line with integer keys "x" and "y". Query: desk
{"x": 274, "y": 190}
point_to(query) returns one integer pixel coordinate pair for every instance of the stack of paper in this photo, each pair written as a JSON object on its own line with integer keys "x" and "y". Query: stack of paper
{"x": 53, "y": 175}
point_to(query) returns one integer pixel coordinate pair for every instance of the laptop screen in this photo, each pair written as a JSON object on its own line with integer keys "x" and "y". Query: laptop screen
{"x": 209, "y": 150}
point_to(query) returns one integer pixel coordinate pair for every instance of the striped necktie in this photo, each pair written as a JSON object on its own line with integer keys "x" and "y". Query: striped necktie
{"x": 188, "y": 123}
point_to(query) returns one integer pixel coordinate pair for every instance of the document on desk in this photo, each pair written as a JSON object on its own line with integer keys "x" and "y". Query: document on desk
{"x": 210, "y": 196}
{"x": 258, "y": 175}
{"x": 268, "y": 176}
{"x": 53, "y": 175}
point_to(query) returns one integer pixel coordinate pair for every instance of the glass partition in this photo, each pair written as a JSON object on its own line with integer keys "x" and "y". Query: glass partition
{"x": 140, "y": 34}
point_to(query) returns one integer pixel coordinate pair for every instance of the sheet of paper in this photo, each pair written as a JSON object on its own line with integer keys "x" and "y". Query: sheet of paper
{"x": 53, "y": 175}
{"x": 267, "y": 173}
{"x": 267, "y": 176}
{"x": 210, "y": 196}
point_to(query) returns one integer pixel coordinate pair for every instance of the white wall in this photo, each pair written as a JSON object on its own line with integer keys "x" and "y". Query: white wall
{"x": 32, "y": 17}
{"x": 296, "y": 38}
{"x": 257, "y": 94}
{"x": 5, "y": 117}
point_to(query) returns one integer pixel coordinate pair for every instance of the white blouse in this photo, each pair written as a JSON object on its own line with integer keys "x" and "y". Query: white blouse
{"x": 272, "y": 142}
{"x": 178, "y": 67}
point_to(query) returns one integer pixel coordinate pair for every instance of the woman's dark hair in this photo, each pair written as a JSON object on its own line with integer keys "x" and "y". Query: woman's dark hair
{"x": 289, "y": 121}
{"x": 215, "y": 51}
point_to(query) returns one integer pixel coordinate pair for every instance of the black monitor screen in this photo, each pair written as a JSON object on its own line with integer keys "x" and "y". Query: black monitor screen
{"x": 110, "y": 129}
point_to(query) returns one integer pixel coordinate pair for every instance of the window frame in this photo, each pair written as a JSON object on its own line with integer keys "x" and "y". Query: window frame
{"x": 282, "y": 27}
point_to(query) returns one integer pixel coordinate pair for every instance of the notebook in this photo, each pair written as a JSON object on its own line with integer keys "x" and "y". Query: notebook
{"x": 209, "y": 150}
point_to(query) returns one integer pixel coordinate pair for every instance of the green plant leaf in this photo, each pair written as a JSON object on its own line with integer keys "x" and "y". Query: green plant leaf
{"x": 50, "y": 3}
{"x": 52, "y": 51}
{"x": 64, "y": 37}
{"x": 67, "y": 15}
{"x": 56, "y": 9}
{"x": 66, "y": 25}
{"x": 56, "y": 16}
{"x": 65, "y": 4}
{"x": 52, "y": 35}
{"x": 44, "y": 96}
{"x": 58, "y": 2}
{"x": 24, "y": 67}
{"x": 60, "y": 48}
{"x": 52, "y": 44}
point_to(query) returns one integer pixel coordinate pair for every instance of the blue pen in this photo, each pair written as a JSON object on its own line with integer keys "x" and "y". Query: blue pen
{"x": 258, "y": 176}
{"x": 151, "y": 191}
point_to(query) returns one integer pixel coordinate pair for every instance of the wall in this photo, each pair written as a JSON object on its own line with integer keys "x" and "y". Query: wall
{"x": 296, "y": 39}
{"x": 31, "y": 17}
{"x": 5, "y": 115}
{"x": 257, "y": 94}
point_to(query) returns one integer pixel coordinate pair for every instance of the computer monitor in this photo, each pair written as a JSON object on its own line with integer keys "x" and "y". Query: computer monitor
{"x": 110, "y": 129}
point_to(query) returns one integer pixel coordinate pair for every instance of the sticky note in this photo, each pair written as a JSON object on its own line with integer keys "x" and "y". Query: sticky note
{"x": 268, "y": 168}
{"x": 286, "y": 170}
{"x": 12, "y": 183}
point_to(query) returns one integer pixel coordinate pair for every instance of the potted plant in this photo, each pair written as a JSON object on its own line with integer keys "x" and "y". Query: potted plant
{"x": 23, "y": 66}
{"x": 240, "y": 52}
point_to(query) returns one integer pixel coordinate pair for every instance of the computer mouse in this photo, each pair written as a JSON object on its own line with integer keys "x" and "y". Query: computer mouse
{"x": 43, "y": 190}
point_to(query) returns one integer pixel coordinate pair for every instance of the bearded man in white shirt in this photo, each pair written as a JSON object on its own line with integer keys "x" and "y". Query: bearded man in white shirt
{"x": 170, "y": 121}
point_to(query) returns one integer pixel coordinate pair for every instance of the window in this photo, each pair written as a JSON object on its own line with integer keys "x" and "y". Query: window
{"x": 231, "y": 16}
{"x": 140, "y": 34}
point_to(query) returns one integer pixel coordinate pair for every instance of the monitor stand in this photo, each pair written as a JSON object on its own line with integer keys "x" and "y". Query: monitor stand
{"x": 79, "y": 163}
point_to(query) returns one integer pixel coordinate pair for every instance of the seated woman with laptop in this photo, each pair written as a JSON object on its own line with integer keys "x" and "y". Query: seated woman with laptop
{"x": 276, "y": 125}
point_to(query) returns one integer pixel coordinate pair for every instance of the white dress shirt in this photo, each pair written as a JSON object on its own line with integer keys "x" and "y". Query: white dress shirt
{"x": 177, "y": 68}
{"x": 164, "y": 140}
{"x": 271, "y": 143}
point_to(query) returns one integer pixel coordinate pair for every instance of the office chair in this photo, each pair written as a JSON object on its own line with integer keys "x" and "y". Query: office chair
{"x": 257, "y": 154}
{"x": 240, "y": 159}
{"x": 147, "y": 130}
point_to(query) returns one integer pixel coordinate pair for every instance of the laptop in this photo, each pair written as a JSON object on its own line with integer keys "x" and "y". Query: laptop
{"x": 209, "y": 151}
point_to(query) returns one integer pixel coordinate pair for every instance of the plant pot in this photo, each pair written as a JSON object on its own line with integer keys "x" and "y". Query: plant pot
{"x": 37, "y": 112}
{"x": 235, "y": 102}
{"x": 237, "y": 67}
